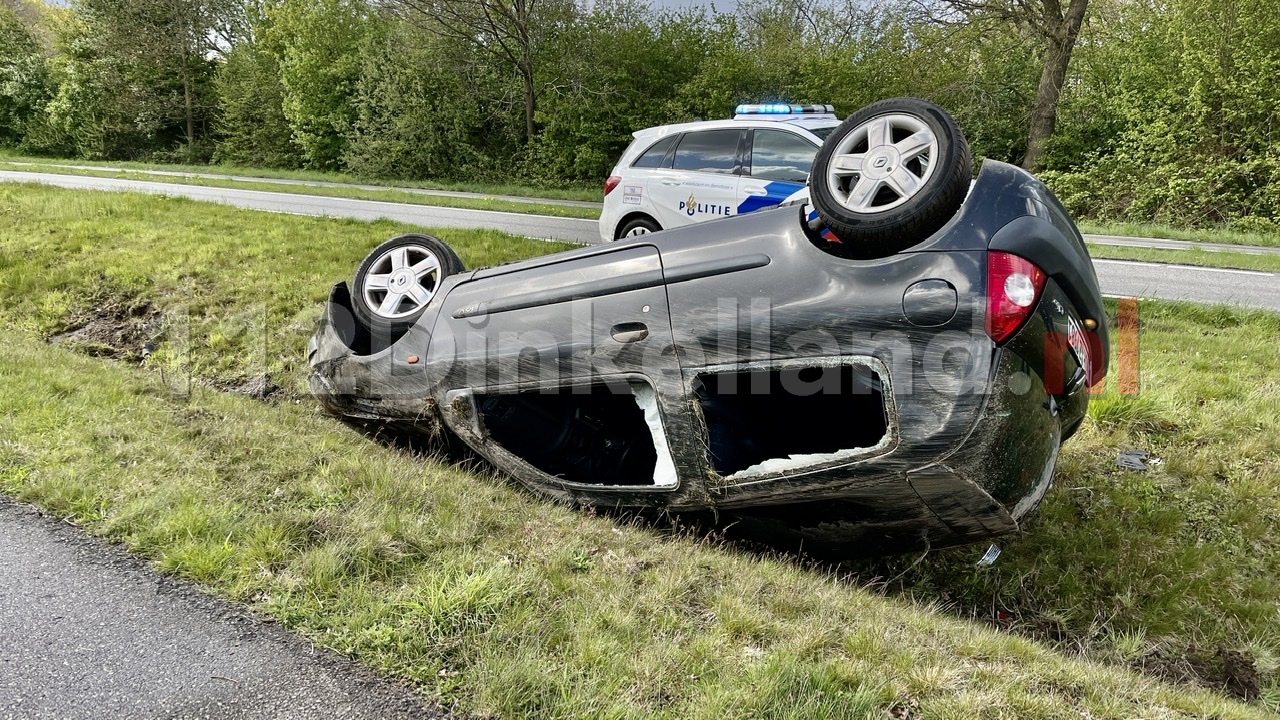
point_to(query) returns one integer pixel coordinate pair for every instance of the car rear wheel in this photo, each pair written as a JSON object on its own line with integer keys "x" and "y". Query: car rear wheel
{"x": 641, "y": 225}
{"x": 890, "y": 176}
{"x": 398, "y": 279}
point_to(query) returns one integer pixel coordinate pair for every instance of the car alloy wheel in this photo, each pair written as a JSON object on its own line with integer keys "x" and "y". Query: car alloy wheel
{"x": 889, "y": 177}
{"x": 886, "y": 173}
{"x": 399, "y": 278}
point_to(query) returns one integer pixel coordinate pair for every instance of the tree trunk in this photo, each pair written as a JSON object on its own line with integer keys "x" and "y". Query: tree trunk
{"x": 1057, "y": 57}
{"x": 530, "y": 104}
{"x": 191, "y": 121}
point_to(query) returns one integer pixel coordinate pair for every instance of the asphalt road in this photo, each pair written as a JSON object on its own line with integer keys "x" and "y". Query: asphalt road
{"x": 536, "y": 226}
{"x": 1118, "y": 278}
{"x": 325, "y": 184}
{"x": 86, "y": 631}
{"x": 1248, "y": 288}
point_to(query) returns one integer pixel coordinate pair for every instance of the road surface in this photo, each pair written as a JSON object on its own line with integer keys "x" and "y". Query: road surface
{"x": 325, "y": 184}
{"x": 1118, "y": 278}
{"x": 86, "y": 631}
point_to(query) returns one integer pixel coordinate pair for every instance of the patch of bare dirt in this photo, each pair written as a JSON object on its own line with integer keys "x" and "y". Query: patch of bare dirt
{"x": 258, "y": 386}
{"x": 118, "y": 329}
{"x": 1231, "y": 672}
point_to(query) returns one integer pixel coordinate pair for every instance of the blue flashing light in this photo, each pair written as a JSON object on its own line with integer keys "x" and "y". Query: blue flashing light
{"x": 783, "y": 109}
{"x": 770, "y": 109}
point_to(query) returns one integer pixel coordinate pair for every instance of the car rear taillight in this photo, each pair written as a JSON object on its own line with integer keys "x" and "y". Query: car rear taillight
{"x": 1013, "y": 287}
{"x": 611, "y": 183}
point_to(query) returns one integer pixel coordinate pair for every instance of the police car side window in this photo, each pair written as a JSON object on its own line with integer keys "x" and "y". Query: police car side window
{"x": 652, "y": 157}
{"x": 708, "y": 151}
{"x": 779, "y": 155}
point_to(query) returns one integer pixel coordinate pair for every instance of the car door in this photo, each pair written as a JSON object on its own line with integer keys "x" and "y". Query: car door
{"x": 643, "y": 178}
{"x": 702, "y": 181}
{"x": 566, "y": 363}
{"x": 777, "y": 167}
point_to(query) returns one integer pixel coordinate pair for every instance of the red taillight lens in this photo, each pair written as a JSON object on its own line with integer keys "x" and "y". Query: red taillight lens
{"x": 611, "y": 183}
{"x": 1013, "y": 287}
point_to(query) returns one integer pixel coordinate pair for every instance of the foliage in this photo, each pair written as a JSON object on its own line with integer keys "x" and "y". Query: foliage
{"x": 25, "y": 85}
{"x": 409, "y": 123}
{"x": 1168, "y": 113}
{"x": 252, "y": 127}
{"x": 320, "y": 43}
{"x": 1199, "y": 140}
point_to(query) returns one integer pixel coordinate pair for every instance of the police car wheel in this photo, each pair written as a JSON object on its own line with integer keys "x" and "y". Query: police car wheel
{"x": 638, "y": 226}
{"x": 890, "y": 176}
{"x": 397, "y": 280}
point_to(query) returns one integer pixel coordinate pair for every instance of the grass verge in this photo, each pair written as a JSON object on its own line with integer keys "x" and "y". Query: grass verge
{"x": 512, "y": 607}
{"x": 589, "y": 193}
{"x": 1194, "y": 256}
{"x": 1229, "y": 236}
{"x": 357, "y": 193}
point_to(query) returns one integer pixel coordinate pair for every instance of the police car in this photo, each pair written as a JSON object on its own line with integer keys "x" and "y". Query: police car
{"x": 675, "y": 175}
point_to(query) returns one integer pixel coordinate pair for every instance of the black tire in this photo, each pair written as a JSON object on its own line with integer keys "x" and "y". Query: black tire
{"x": 880, "y": 195}
{"x": 639, "y": 225}
{"x": 373, "y": 305}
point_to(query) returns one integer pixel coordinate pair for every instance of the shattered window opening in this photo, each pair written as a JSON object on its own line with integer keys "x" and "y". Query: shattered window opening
{"x": 602, "y": 436}
{"x": 770, "y": 420}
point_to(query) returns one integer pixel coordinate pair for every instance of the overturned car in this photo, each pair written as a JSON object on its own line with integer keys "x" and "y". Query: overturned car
{"x": 891, "y": 366}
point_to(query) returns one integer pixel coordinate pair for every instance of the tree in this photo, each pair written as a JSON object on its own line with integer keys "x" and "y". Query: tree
{"x": 509, "y": 33}
{"x": 154, "y": 60}
{"x": 252, "y": 127}
{"x": 319, "y": 44}
{"x": 409, "y": 123}
{"x": 1056, "y": 26}
{"x": 24, "y": 78}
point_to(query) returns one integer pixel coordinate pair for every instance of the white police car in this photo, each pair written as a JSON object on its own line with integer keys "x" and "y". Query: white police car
{"x": 675, "y": 175}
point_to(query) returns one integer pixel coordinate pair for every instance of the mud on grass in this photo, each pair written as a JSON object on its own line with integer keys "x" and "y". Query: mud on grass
{"x": 113, "y": 327}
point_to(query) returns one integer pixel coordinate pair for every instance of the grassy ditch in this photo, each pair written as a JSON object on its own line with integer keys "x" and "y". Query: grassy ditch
{"x": 1130, "y": 592}
{"x": 359, "y": 193}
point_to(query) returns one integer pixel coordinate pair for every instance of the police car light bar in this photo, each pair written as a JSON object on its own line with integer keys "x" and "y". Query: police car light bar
{"x": 780, "y": 109}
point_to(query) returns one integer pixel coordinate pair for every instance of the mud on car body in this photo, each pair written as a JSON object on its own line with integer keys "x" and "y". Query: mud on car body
{"x": 853, "y": 384}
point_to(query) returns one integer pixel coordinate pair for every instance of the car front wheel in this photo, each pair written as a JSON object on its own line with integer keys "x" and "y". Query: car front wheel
{"x": 398, "y": 278}
{"x": 890, "y": 176}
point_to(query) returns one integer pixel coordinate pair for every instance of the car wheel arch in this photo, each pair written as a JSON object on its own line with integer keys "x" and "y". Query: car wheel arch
{"x": 619, "y": 230}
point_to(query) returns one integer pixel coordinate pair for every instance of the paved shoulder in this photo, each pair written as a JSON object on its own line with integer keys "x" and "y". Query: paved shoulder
{"x": 1249, "y": 288}
{"x": 86, "y": 631}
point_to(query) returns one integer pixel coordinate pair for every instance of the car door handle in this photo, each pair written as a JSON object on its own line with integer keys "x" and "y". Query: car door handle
{"x": 629, "y": 332}
{"x": 672, "y": 181}
{"x": 756, "y": 191}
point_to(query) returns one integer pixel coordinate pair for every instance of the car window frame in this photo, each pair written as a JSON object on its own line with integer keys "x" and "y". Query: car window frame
{"x": 747, "y": 155}
{"x": 667, "y": 157}
{"x": 669, "y": 161}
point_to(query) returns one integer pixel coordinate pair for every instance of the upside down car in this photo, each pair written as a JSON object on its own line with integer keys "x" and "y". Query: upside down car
{"x": 893, "y": 364}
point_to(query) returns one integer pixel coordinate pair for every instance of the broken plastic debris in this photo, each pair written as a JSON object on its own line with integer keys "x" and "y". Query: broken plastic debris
{"x": 989, "y": 557}
{"x": 1133, "y": 459}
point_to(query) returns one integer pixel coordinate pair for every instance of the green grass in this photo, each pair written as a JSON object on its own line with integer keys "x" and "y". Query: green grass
{"x": 226, "y": 273}
{"x": 589, "y": 193}
{"x": 1226, "y": 235}
{"x": 1194, "y": 256}
{"x": 508, "y": 606}
{"x": 384, "y": 195}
